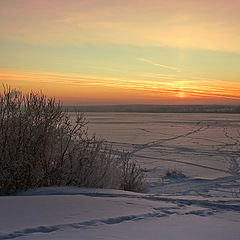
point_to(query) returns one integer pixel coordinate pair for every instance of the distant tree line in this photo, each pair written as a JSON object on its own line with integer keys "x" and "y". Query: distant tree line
{"x": 157, "y": 108}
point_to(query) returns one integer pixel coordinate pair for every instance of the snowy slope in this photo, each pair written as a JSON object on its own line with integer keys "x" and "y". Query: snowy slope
{"x": 78, "y": 213}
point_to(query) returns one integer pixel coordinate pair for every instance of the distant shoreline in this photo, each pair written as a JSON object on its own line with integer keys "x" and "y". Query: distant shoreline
{"x": 156, "y": 108}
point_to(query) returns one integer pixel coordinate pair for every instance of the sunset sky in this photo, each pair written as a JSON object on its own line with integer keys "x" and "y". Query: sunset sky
{"x": 123, "y": 52}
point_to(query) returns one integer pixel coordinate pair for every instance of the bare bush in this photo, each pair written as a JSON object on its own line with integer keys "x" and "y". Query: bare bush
{"x": 41, "y": 146}
{"x": 132, "y": 177}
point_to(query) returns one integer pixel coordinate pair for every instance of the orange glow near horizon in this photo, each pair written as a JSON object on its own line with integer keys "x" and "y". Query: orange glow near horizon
{"x": 92, "y": 89}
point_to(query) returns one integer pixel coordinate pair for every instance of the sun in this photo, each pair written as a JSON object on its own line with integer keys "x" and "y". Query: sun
{"x": 181, "y": 94}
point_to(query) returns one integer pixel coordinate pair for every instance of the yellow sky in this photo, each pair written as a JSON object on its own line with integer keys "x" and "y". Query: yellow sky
{"x": 113, "y": 52}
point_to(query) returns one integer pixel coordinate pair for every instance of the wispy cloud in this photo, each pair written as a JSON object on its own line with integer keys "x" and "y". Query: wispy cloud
{"x": 159, "y": 65}
{"x": 93, "y": 86}
{"x": 185, "y": 24}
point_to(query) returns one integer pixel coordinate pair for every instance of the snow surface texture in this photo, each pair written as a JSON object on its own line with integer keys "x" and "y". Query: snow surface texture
{"x": 75, "y": 213}
{"x": 201, "y": 201}
{"x": 205, "y": 148}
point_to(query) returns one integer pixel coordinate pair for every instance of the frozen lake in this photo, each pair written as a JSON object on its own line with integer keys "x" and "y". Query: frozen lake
{"x": 205, "y": 148}
{"x": 203, "y": 202}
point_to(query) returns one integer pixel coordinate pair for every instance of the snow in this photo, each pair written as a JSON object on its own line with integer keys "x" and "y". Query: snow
{"x": 204, "y": 147}
{"x": 202, "y": 202}
{"x": 78, "y": 213}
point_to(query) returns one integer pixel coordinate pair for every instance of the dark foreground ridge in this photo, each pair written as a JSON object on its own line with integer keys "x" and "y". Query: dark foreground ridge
{"x": 156, "y": 108}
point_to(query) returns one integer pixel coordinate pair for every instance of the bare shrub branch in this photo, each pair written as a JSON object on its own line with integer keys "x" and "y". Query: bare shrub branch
{"x": 41, "y": 146}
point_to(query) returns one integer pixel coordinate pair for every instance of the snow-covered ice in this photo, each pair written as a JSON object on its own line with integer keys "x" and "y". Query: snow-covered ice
{"x": 202, "y": 202}
{"x": 205, "y": 148}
